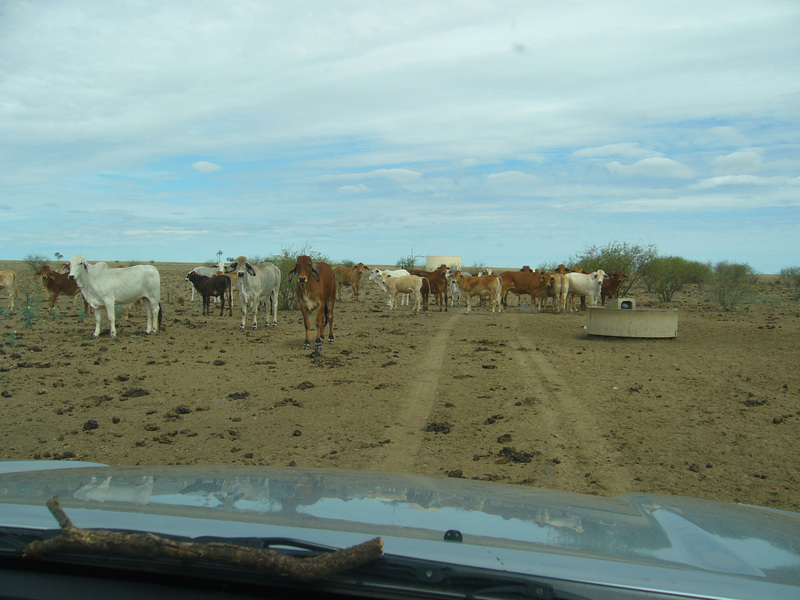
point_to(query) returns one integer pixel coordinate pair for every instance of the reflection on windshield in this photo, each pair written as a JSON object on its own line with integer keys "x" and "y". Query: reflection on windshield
{"x": 705, "y": 535}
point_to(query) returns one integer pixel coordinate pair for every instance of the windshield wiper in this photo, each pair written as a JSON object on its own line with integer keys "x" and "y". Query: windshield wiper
{"x": 431, "y": 577}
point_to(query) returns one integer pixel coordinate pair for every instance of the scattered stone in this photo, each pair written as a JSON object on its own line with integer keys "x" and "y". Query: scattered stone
{"x": 694, "y": 468}
{"x": 135, "y": 393}
{"x": 489, "y": 366}
{"x": 438, "y": 427}
{"x": 455, "y": 473}
{"x": 306, "y": 385}
{"x": 5, "y": 394}
{"x": 239, "y": 395}
{"x": 297, "y": 433}
{"x": 90, "y": 424}
{"x": 503, "y": 439}
{"x": 515, "y": 456}
{"x": 218, "y": 363}
{"x": 182, "y": 409}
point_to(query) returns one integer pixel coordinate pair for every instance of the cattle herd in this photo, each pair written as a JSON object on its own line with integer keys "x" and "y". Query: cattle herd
{"x": 318, "y": 285}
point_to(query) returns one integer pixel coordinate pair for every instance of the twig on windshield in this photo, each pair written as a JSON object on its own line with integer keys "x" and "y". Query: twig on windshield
{"x": 152, "y": 546}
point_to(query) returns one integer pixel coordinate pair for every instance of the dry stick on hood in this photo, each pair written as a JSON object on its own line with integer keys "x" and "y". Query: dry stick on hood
{"x": 152, "y": 546}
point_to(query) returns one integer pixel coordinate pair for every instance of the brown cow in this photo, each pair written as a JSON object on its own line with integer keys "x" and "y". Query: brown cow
{"x": 58, "y": 283}
{"x": 555, "y": 286}
{"x": 520, "y": 282}
{"x": 437, "y": 285}
{"x": 611, "y": 285}
{"x": 350, "y": 277}
{"x": 478, "y": 286}
{"x": 316, "y": 290}
{"x": 8, "y": 281}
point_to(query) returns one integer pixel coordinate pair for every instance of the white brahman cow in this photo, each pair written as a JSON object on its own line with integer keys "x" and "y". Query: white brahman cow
{"x": 375, "y": 275}
{"x": 255, "y": 281}
{"x": 104, "y": 287}
{"x": 586, "y": 284}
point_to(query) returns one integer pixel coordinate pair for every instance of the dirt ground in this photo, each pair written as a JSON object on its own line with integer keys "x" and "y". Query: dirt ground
{"x": 520, "y": 397}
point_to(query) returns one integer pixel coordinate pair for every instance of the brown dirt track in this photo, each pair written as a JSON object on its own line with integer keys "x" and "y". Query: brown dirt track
{"x": 520, "y": 397}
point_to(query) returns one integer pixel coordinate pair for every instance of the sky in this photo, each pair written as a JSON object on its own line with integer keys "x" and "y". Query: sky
{"x": 507, "y": 133}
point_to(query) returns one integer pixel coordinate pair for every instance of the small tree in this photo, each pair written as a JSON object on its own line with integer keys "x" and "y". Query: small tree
{"x": 630, "y": 258}
{"x": 731, "y": 284}
{"x": 407, "y": 262}
{"x": 790, "y": 277}
{"x": 28, "y": 288}
{"x": 34, "y": 262}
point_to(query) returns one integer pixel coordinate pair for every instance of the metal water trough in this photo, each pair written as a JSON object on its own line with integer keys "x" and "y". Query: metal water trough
{"x": 623, "y": 319}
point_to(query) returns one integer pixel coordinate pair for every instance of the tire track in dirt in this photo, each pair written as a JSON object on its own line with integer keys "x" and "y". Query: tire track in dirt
{"x": 418, "y": 403}
{"x": 569, "y": 429}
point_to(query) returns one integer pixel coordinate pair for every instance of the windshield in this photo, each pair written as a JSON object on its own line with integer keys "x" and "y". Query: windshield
{"x": 545, "y": 244}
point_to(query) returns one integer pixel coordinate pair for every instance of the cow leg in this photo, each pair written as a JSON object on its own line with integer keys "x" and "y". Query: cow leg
{"x": 256, "y": 302}
{"x": 112, "y": 331}
{"x": 307, "y": 324}
{"x": 320, "y": 322}
{"x": 329, "y": 316}
{"x": 273, "y": 298}
{"x": 244, "y": 311}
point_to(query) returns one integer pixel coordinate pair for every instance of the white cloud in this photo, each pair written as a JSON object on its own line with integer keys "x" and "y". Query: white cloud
{"x": 205, "y": 166}
{"x": 729, "y": 135}
{"x": 714, "y": 182}
{"x": 627, "y": 150}
{"x": 398, "y": 175}
{"x": 512, "y": 177}
{"x": 468, "y": 162}
{"x": 738, "y": 162}
{"x": 353, "y": 189}
{"x": 653, "y": 167}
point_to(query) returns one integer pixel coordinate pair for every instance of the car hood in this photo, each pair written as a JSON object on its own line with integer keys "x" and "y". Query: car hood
{"x": 650, "y": 542}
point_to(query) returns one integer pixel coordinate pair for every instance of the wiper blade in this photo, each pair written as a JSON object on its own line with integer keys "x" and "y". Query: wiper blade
{"x": 453, "y": 580}
{"x": 325, "y": 563}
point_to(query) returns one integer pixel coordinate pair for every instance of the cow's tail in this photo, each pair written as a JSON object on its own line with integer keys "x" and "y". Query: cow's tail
{"x": 160, "y": 316}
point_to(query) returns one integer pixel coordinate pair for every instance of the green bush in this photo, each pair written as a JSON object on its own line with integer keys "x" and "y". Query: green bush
{"x": 790, "y": 277}
{"x": 731, "y": 284}
{"x": 630, "y": 258}
{"x": 667, "y": 275}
